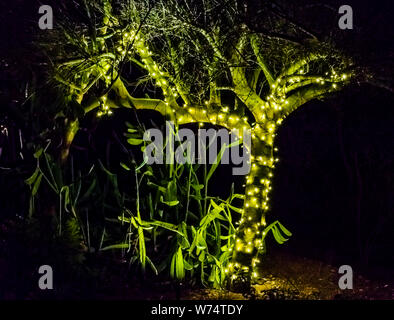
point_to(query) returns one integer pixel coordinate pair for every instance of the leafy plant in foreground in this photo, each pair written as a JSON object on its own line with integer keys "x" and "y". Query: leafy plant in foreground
{"x": 176, "y": 226}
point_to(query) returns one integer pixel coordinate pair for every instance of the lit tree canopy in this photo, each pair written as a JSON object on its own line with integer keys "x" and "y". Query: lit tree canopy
{"x": 198, "y": 61}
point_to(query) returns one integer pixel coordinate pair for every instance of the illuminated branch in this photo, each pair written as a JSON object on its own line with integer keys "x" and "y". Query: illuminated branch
{"x": 306, "y": 94}
{"x": 255, "y": 46}
{"x": 245, "y": 93}
{"x": 297, "y": 65}
{"x": 212, "y": 42}
{"x": 181, "y": 88}
{"x": 302, "y": 81}
{"x": 151, "y": 66}
{"x": 84, "y": 60}
{"x": 242, "y": 89}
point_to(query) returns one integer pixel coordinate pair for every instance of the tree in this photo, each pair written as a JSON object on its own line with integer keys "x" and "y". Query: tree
{"x": 201, "y": 61}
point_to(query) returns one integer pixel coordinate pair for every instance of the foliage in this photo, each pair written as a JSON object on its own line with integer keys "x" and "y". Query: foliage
{"x": 171, "y": 228}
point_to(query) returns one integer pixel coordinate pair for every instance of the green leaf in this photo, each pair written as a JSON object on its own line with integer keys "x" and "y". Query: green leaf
{"x": 237, "y": 196}
{"x": 177, "y": 269}
{"x": 135, "y": 142}
{"x": 277, "y": 228}
{"x": 165, "y": 225}
{"x": 151, "y": 264}
{"x": 149, "y": 172}
{"x": 201, "y": 243}
{"x": 169, "y": 203}
{"x": 187, "y": 265}
{"x": 90, "y": 190}
{"x": 219, "y": 158}
{"x": 197, "y": 186}
{"x": 141, "y": 246}
{"x": 66, "y": 191}
{"x": 171, "y": 193}
{"x": 36, "y": 184}
{"x": 216, "y": 163}
{"x": 285, "y": 231}
{"x": 212, "y": 275}
{"x": 277, "y": 236}
{"x": 172, "y": 267}
{"x": 142, "y": 164}
{"x": 218, "y": 208}
{"x": 33, "y": 177}
{"x": 116, "y": 246}
{"x": 180, "y": 269}
{"x": 160, "y": 188}
{"x": 201, "y": 257}
{"x": 185, "y": 244}
{"x": 124, "y": 166}
{"x": 238, "y": 210}
{"x": 212, "y": 215}
{"x": 38, "y": 153}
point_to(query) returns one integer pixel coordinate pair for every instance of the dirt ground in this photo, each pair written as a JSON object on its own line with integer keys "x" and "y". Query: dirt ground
{"x": 288, "y": 277}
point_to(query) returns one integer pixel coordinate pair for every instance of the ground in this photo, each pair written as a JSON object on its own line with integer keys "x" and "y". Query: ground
{"x": 95, "y": 276}
{"x": 285, "y": 276}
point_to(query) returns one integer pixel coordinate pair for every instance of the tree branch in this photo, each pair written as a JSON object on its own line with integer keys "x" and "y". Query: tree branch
{"x": 268, "y": 75}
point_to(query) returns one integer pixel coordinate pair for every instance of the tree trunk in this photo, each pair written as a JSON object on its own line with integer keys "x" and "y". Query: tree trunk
{"x": 249, "y": 233}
